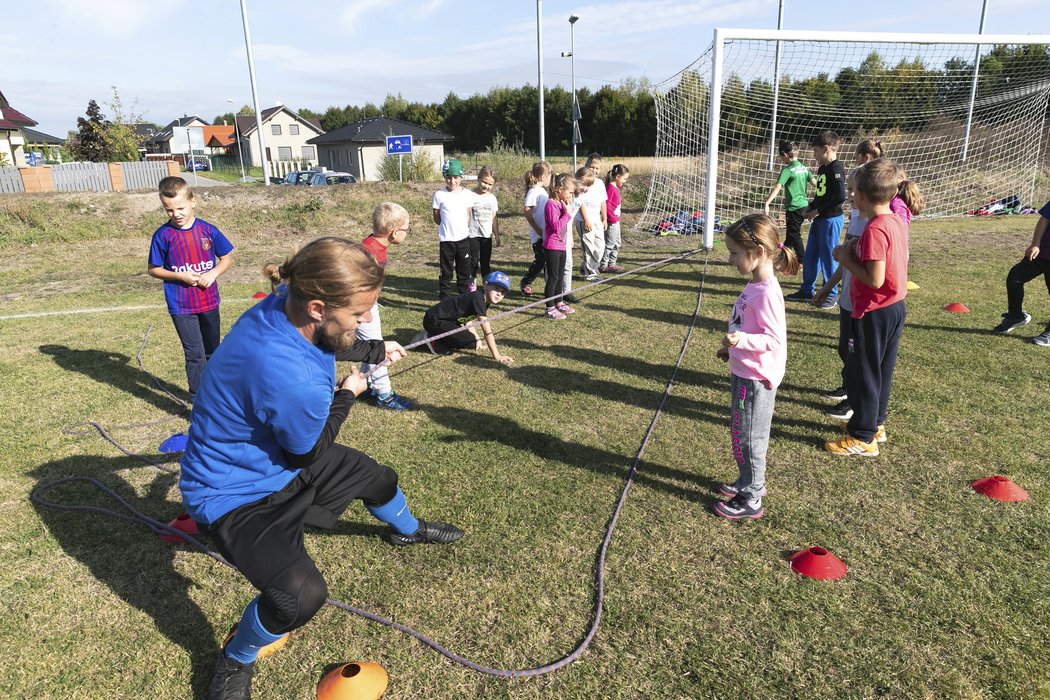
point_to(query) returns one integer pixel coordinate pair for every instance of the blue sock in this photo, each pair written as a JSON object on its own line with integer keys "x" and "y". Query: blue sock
{"x": 395, "y": 513}
{"x": 250, "y": 637}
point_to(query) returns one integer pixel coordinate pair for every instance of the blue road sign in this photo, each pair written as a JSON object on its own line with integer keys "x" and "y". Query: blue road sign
{"x": 398, "y": 144}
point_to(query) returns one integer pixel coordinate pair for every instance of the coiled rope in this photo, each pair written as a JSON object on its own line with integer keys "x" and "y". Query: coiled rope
{"x": 135, "y": 516}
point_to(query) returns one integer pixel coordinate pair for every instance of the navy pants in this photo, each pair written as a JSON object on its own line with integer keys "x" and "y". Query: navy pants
{"x": 869, "y": 368}
{"x": 199, "y": 334}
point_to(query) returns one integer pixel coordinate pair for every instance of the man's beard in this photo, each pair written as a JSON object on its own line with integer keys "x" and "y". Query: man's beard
{"x": 334, "y": 342}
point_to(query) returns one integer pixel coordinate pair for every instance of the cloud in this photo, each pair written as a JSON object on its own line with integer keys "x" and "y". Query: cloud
{"x": 348, "y": 18}
{"x": 111, "y": 18}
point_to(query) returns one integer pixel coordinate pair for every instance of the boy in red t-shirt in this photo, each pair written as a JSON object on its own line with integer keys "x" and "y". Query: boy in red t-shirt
{"x": 390, "y": 226}
{"x": 879, "y": 264}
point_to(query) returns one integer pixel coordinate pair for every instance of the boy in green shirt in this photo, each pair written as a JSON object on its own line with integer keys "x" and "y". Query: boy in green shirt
{"x": 794, "y": 177}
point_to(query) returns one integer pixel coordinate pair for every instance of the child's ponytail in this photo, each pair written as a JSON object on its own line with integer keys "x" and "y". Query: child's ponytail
{"x": 759, "y": 231}
{"x": 540, "y": 174}
{"x": 616, "y": 171}
{"x": 871, "y": 148}
{"x": 909, "y": 192}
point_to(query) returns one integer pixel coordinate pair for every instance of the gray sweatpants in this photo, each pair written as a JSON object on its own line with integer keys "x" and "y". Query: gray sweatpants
{"x": 612, "y": 244}
{"x": 750, "y": 418}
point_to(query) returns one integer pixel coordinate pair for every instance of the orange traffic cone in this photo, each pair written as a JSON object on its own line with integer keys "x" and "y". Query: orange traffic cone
{"x": 362, "y": 680}
{"x": 999, "y": 488}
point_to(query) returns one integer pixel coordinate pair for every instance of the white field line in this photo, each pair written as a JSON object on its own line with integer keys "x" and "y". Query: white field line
{"x": 100, "y": 310}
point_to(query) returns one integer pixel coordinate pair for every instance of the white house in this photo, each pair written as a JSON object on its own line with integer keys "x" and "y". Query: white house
{"x": 359, "y": 147}
{"x": 286, "y": 133}
{"x": 12, "y": 140}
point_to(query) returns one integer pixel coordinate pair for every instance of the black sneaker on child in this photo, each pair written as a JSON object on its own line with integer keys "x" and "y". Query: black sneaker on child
{"x": 739, "y": 507}
{"x": 571, "y": 299}
{"x": 798, "y": 296}
{"x": 428, "y": 533}
{"x": 841, "y": 410}
{"x": 728, "y": 490}
{"x": 1012, "y": 322}
{"x": 838, "y": 394}
{"x": 232, "y": 680}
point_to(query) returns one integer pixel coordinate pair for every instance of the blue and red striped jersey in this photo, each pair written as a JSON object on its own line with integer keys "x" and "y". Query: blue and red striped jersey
{"x": 197, "y": 248}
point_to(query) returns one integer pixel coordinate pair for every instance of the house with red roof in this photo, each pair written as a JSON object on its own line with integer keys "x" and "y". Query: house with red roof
{"x": 12, "y": 139}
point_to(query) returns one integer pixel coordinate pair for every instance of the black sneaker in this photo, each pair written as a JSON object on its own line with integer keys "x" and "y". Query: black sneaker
{"x": 728, "y": 490}
{"x": 798, "y": 296}
{"x": 739, "y": 507}
{"x": 836, "y": 394}
{"x": 841, "y": 410}
{"x": 1012, "y": 322}
{"x": 232, "y": 680}
{"x": 428, "y": 533}
{"x": 571, "y": 299}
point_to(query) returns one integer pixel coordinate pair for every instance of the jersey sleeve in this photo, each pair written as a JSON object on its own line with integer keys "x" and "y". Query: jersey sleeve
{"x": 785, "y": 175}
{"x": 297, "y": 414}
{"x": 221, "y": 244}
{"x": 158, "y": 249}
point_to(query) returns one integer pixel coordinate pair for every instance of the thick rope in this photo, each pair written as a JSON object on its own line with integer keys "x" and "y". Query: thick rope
{"x": 160, "y": 528}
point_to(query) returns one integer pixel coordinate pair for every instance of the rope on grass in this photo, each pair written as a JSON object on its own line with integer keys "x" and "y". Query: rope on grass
{"x": 158, "y": 527}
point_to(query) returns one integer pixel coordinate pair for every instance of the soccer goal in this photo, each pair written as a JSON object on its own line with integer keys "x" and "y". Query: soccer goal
{"x": 966, "y": 115}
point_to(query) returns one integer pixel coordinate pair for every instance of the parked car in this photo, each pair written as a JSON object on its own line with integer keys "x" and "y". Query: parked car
{"x": 329, "y": 177}
{"x": 198, "y": 163}
{"x": 297, "y": 177}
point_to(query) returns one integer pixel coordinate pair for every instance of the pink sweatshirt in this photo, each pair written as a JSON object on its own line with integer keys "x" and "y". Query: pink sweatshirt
{"x": 758, "y": 316}
{"x": 613, "y": 203}
{"x": 555, "y": 225}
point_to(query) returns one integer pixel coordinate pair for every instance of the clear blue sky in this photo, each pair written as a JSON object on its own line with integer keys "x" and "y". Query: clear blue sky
{"x": 172, "y": 58}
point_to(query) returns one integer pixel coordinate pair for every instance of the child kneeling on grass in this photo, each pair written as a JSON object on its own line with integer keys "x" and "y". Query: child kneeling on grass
{"x": 459, "y": 311}
{"x": 756, "y": 349}
{"x": 1036, "y": 261}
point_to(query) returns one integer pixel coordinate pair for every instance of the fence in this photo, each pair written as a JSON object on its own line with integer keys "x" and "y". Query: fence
{"x": 144, "y": 175}
{"x": 10, "y": 180}
{"x": 81, "y": 177}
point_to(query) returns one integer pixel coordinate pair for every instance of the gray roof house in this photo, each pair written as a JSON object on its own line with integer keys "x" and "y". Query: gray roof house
{"x": 359, "y": 147}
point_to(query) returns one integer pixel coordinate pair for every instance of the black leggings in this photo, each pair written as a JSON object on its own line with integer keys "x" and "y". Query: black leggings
{"x": 1021, "y": 274}
{"x": 481, "y": 255}
{"x": 539, "y": 260}
{"x": 264, "y": 539}
{"x": 555, "y": 275}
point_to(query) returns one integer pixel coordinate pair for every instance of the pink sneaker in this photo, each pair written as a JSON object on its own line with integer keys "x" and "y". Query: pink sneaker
{"x": 565, "y": 308}
{"x": 554, "y": 314}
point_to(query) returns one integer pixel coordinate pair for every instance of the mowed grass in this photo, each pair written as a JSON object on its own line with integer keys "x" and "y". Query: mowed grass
{"x": 947, "y": 591}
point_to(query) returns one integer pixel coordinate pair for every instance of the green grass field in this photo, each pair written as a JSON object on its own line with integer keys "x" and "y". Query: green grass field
{"x": 947, "y": 595}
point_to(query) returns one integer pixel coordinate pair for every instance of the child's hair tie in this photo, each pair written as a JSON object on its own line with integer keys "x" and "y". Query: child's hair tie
{"x": 780, "y": 246}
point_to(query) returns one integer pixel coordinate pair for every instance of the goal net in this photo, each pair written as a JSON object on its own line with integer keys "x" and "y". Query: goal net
{"x": 963, "y": 142}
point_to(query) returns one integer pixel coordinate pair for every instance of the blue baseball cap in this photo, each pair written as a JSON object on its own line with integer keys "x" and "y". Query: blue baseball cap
{"x": 498, "y": 279}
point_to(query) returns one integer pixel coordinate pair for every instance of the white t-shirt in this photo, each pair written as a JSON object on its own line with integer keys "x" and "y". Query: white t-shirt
{"x": 455, "y": 213}
{"x": 591, "y": 202}
{"x": 483, "y": 213}
{"x": 602, "y": 194}
{"x": 537, "y": 198}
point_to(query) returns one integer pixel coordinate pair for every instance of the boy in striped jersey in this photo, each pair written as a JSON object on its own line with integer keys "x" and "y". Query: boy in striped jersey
{"x": 189, "y": 254}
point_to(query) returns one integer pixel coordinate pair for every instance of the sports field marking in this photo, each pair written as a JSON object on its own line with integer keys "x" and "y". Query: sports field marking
{"x": 100, "y": 310}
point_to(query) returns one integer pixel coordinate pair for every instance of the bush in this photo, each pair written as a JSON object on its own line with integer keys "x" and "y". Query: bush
{"x": 418, "y": 167}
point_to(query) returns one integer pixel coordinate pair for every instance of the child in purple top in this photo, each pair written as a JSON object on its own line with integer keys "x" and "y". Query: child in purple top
{"x": 557, "y": 214}
{"x": 189, "y": 254}
{"x": 756, "y": 349}
{"x": 1036, "y": 261}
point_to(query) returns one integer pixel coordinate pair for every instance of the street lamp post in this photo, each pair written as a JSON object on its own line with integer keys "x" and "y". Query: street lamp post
{"x": 237, "y": 135}
{"x": 571, "y": 55}
{"x": 539, "y": 72}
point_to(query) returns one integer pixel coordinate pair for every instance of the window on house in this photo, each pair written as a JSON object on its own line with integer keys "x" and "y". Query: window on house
{"x": 275, "y": 129}
{"x": 293, "y": 129}
{"x": 284, "y": 152}
{"x": 308, "y": 152}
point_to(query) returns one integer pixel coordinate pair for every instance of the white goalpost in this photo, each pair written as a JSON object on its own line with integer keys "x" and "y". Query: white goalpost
{"x": 965, "y": 114}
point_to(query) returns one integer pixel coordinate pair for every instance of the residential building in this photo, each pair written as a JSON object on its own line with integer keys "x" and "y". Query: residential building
{"x": 286, "y": 133}
{"x": 358, "y": 148}
{"x": 12, "y": 140}
{"x": 47, "y": 146}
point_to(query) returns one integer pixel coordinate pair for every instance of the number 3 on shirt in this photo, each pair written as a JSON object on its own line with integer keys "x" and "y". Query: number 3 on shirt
{"x": 822, "y": 185}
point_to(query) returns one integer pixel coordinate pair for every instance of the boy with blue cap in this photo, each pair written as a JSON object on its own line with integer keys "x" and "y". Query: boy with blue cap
{"x": 455, "y": 312}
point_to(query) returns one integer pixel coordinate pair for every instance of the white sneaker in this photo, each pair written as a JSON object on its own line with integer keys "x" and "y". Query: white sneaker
{"x": 1042, "y": 339}
{"x": 421, "y": 337}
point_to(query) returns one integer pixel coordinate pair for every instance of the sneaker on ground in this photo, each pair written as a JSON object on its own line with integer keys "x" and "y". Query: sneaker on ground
{"x": 838, "y": 394}
{"x": 880, "y": 431}
{"x": 565, "y": 308}
{"x": 1010, "y": 323}
{"x": 1042, "y": 339}
{"x": 571, "y": 299}
{"x": 603, "y": 268}
{"x": 593, "y": 278}
{"x": 427, "y": 346}
{"x": 828, "y": 303}
{"x": 391, "y": 402}
{"x": 526, "y": 290}
{"x": 841, "y": 410}
{"x": 849, "y": 446}
{"x": 798, "y": 296}
{"x": 232, "y": 680}
{"x": 739, "y": 507}
{"x": 613, "y": 267}
{"x": 554, "y": 314}
{"x": 728, "y": 490}
{"x": 428, "y": 533}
